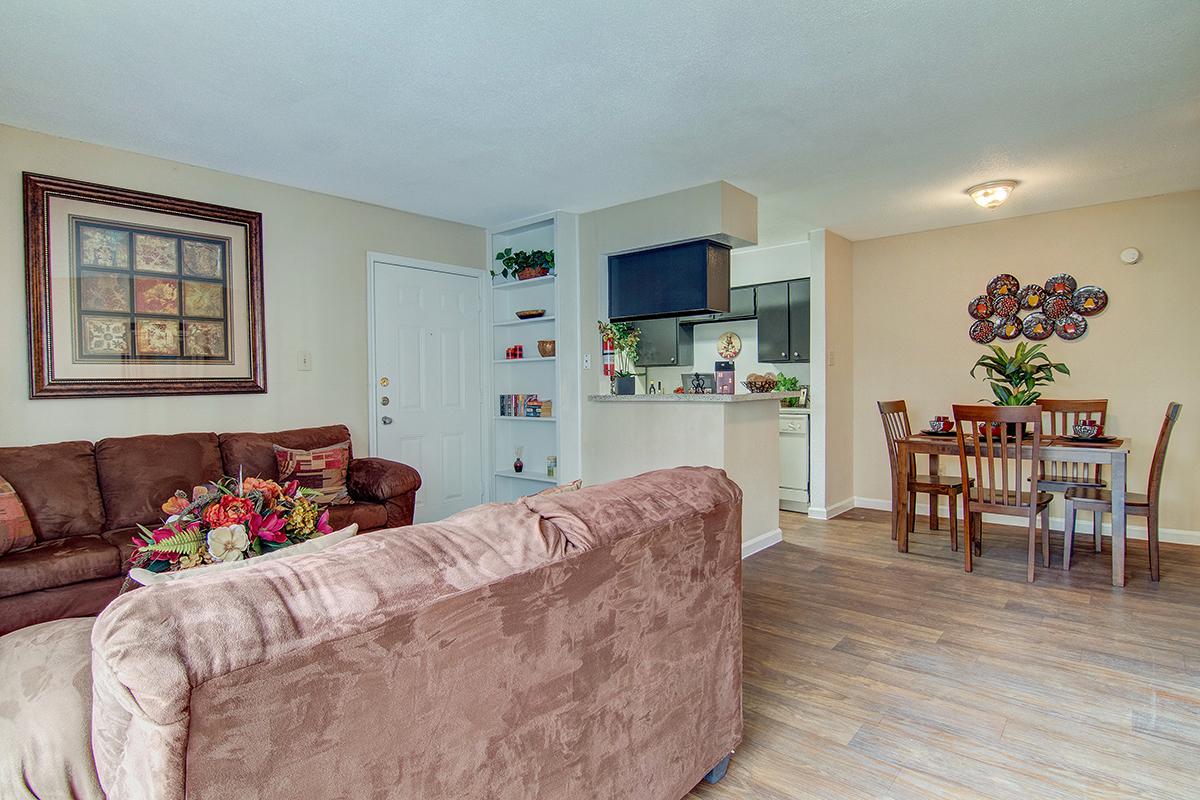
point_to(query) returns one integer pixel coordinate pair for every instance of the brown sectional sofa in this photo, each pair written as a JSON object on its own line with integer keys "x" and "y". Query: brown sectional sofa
{"x": 85, "y": 501}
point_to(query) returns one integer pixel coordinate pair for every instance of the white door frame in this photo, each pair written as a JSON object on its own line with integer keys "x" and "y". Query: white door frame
{"x": 374, "y": 260}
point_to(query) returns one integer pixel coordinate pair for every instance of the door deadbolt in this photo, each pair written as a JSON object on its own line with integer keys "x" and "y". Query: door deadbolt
{"x": 383, "y": 401}
{"x": 386, "y": 420}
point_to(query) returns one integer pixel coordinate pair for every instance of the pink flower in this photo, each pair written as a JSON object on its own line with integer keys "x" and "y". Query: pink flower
{"x": 269, "y": 528}
{"x": 323, "y": 523}
{"x": 291, "y": 488}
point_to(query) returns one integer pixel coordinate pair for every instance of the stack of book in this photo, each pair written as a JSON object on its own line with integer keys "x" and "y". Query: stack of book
{"x": 524, "y": 405}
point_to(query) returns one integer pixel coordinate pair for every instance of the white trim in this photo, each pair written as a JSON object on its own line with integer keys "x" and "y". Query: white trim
{"x": 1083, "y": 522}
{"x": 761, "y": 542}
{"x": 835, "y": 510}
{"x": 375, "y": 259}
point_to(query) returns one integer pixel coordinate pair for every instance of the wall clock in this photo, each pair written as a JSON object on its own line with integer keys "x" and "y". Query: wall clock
{"x": 729, "y": 344}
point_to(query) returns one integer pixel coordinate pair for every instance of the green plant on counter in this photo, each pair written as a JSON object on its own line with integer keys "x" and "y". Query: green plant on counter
{"x": 788, "y": 383}
{"x": 1015, "y": 378}
{"x": 532, "y": 263}
{"x": 625, "y": 338}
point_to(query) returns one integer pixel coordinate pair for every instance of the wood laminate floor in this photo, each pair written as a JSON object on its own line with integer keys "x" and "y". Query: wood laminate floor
{"x": 874, "y": 674}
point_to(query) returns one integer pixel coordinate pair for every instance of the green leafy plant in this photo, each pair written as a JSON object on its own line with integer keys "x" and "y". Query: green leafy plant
{"x": 625, "y": 338}
{"x": 512, "y": 263}
{"x": 788, "y": 383}
{"x": 1015, "y": 378}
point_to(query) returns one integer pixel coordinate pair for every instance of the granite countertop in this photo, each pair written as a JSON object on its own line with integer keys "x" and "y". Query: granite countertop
{"x": 692, "y": 398}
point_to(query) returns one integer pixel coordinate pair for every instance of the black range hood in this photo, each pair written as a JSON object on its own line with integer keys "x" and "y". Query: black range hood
{"x": 671, "y": 281}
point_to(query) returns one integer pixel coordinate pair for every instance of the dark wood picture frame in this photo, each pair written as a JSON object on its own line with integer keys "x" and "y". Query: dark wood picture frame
{"x": 43, "y": 382}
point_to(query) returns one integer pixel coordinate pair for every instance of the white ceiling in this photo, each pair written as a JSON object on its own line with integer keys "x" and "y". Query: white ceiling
{"x": 865, "y": 117}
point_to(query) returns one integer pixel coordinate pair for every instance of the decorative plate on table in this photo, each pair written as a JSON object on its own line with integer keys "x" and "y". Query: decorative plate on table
{"x": 1089, "y": 300}
{"x": 1003, "y": 285}
{"x": 1062, "y": 283}
{"x": 729, "y": 344}
{"x": 983, "y": 331}
{"x": 1100, "y": 439}
{"x": 1009, "y": 328}
{"x": 1031, "y": 296}
{"x": 939, "y": 433}
{"x": 980, "y": 307}
{"x": 1072, "y": 326}
{"x": 1037, "y": 326}
{"x": 1004, "y": 306}
{"x": 1057, "y": 306}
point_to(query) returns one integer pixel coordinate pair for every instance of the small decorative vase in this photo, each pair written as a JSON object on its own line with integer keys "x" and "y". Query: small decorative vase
{"x": 518, "y": 464}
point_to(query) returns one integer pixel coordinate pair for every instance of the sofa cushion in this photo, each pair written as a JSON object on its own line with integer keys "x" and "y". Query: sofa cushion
{"x": 138, "y": 473}
{"x": 254, "y": 453}
{"x": 16, "y": 531}
{"x": 46, "y": 717}
{"x": 58, "y": 563}
{"x": 85, "y": 599}
{"x": 368, "y": 516}
{"x": 57, "y": 484}
{"x": 323, "y": 470}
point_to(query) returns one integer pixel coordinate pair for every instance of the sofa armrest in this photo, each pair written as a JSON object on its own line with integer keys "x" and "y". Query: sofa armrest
{"x": 391, "y": 483}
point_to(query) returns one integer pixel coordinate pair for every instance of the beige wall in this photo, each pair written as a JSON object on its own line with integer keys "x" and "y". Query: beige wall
{"x": 910, "y": 327}
{"x": 315, "y": 249}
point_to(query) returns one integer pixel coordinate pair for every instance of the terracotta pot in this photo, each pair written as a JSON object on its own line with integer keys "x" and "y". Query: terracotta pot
{"x": 546, "y": 347}
{"x": 532, "y": 272}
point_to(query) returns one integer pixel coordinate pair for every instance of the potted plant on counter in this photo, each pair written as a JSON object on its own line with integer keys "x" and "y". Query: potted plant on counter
{"x": 788, "y": 383}
{"x": 619, "y": 352}
{"x": 524, "y": 264}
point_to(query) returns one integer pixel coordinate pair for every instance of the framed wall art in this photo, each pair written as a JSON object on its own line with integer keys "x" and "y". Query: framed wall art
{"x": 135, "y": 294}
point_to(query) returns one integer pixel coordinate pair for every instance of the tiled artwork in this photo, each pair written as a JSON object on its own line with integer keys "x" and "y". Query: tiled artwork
{"x": 148, "y": 295}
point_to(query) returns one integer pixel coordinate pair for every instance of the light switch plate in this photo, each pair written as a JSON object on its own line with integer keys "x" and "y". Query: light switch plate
{"x": 304, "y": 360}
{"x": 829, "y": 359}
{"x": 587, "y": 360}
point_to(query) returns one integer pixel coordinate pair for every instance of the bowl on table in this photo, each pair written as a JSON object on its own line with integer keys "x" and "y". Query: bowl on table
{"x": 1088, "y": 429}
{"x": 941, "y": 424}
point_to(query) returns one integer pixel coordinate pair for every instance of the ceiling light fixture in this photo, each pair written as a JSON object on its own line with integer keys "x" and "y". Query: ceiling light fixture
{"x": 992, "y": 194}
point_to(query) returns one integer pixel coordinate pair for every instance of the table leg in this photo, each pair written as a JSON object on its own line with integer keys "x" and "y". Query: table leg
{"x": 902, "y": 498}
{"x": 1118, "y": 519}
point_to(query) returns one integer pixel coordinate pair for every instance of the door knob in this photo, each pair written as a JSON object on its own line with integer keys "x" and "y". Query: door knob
{"x": 386, "y": 420}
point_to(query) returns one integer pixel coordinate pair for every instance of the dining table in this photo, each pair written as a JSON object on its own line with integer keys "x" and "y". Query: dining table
{"x": 1114, "y": 453}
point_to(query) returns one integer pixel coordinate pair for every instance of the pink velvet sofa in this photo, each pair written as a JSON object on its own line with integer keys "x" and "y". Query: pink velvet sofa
{"x": 578, "y": 645}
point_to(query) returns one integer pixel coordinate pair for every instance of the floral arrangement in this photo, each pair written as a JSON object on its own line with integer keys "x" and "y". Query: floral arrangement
{"x": 229, "y": 520}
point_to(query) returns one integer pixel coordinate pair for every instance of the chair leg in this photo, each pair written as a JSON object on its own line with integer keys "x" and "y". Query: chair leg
{"x": 952, "y": 501}
{"x": 1098, "y": 531}
{"x": 1152, "y": 542}
{"x": 1068, "y": 535}
{"x": 1046, "y": 537}
{"x": 969, "y": 540}
{"x": 934, "y": 502}
{"x": 911, "y": 522}
{"x": 1032, "y": 545}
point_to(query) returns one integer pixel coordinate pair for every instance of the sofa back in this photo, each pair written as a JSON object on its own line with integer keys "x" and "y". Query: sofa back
{"x": 542, "y": 649}
{"x": 137, "y": 473}
{"x": 58, "y": 486}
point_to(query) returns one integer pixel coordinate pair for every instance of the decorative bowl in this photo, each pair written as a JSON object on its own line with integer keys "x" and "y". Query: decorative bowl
{"x": 759, "y": 387}
{"x": 1086, "y": 430}
{"x": 546, "y": 347}
{"x": 941, "y": 425}
{"x": 531, "y": 313}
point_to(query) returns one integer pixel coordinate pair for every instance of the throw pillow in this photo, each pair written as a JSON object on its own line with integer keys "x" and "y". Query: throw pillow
{"x": 148, "y": 578}
{"x": 323, "y": 469}
{"x": 16, "y": 531}
{"x": 573, "y": 486}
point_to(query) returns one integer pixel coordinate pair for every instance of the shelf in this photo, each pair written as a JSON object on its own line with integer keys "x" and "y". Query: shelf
{"x": 501, "y": 287}
{"x": 528, "y": 419}
{"x": 533, "y": 321}
{"x": 526, "y": 475}
{"x": 537, "y": 360}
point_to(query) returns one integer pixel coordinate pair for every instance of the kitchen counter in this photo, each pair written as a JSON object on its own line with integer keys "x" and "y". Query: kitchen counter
{"x": 746, "y": 397}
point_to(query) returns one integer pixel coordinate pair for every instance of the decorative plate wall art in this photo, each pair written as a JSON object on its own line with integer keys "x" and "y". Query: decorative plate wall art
{"x": 729, "y": 344}
{"x": 138, "y": 294}
{"x": 1057, "y": 306}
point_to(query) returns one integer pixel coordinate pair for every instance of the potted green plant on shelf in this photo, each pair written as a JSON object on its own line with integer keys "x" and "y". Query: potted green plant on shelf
{"x": 524, "y": 264}
{"x": 622, "y": 338}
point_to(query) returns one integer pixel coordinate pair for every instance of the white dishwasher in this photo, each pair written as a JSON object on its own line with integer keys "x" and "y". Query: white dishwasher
{"x": 793, "y": 460}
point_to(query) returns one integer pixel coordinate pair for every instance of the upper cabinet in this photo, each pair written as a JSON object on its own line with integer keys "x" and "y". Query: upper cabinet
{"x": 663, "y": 342}
{"x": 672, "y": 281}
{"x": 784, "y": 315}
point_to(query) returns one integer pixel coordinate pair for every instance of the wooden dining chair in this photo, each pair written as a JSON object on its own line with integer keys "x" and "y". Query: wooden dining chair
{"x": 1059, "y": 476}
{"x": 1143, "y": 505}
{"x": 999, "y": 491}
{"x": 896, "y": 426}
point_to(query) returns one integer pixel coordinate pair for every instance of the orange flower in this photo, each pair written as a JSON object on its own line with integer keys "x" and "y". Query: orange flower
{"x": 270, "y": 489}
{"x": 175, "y": 504}
{"x": 229, "y": 510}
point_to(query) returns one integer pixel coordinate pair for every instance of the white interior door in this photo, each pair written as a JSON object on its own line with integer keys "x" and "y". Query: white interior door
{"x": 427, "y": 388}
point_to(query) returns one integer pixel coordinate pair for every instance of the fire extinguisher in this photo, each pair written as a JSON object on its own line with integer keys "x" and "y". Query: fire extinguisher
{"x": 607, "y": 353}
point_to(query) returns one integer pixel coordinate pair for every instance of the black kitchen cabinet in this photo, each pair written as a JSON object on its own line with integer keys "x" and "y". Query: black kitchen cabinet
{"x": 784, "y": 316}
{"x": 664, "y": 342}
{"x": 741, "y": 303}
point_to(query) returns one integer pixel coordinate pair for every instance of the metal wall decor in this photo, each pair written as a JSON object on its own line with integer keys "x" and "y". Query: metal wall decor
{"x": 1037, "y": 311}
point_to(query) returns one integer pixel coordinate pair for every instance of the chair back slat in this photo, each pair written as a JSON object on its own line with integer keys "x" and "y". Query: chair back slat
{"x": 1154, "y": 483}
{"x": 985, "y": 447}
{"x": 1063, "y": 416}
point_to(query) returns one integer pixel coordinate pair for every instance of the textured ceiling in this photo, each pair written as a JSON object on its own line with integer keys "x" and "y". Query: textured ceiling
{"x": 867, "y": 118}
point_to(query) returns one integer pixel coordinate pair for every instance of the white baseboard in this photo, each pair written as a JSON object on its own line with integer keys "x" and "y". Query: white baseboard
{"x": 761, "y": 542}
{"x": 1083, "y": 522}
{"x": 818, "y": 512}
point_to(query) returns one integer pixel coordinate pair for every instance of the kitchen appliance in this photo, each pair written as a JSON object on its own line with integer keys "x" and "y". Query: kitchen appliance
{"x": 672, "y": 281}
{"x": 793, "y": 461}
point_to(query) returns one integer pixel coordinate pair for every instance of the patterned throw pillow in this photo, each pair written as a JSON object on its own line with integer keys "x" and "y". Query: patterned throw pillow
{"x": 16, "y": 531}
{"x": 323, "y": 470}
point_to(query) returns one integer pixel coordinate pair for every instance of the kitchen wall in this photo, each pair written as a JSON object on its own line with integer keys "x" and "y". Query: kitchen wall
{"x": 315, "y": 249}
{"x": 910, "y": 328}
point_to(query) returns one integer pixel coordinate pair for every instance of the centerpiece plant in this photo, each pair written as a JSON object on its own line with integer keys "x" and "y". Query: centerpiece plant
{"x": 228, "y": 520}
{"x": 1015, "y": 378}
{"x": 524, "y": 264}
{"x": 622, "y": 339}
